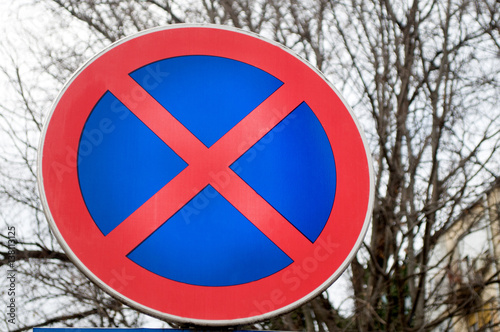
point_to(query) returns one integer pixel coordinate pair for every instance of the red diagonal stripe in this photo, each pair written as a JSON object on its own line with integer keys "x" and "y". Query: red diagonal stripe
{"x": 157, "y": 210}
{"x": 262, "y": 215}
{"x": 154, "y": 115}
{"x": 258, "y": 123}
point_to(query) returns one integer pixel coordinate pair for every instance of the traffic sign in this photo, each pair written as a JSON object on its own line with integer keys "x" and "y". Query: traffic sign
{"x": 205, "y": 175}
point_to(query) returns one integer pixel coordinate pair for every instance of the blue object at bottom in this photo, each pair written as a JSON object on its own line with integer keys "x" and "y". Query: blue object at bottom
{"x": 77, "y": 329}
{"x": 80, "y": 329}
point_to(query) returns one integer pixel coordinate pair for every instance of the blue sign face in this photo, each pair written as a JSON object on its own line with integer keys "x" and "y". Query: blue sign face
{"x": 122, "y": 163}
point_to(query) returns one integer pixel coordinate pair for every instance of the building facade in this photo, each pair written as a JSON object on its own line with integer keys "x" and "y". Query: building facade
{"x": 468, "y": 256}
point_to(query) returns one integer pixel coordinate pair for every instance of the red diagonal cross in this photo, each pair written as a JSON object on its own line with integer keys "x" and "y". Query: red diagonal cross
{"x": 204, "y": 164}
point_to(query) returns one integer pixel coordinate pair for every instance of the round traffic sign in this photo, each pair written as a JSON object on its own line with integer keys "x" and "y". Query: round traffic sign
{"x": 204, "y": 175}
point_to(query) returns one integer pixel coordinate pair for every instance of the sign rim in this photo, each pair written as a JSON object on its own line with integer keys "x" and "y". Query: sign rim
{"x": 162, "y": 315}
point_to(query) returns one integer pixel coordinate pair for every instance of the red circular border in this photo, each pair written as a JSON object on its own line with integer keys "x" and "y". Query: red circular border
{"x": 165, "y": 298}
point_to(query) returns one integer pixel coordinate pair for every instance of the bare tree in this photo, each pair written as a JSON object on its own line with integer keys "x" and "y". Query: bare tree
{"x": 423, "y": 77}
{"x": 418, "y": 67}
